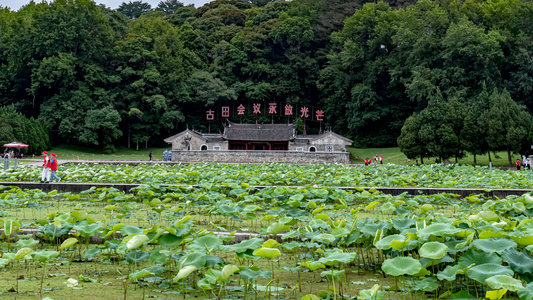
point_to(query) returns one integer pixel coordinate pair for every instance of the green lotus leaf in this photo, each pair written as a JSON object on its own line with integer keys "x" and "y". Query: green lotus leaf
{"x": 267, "y": 252}
{"x": 519, "y": 262}
{"x": 159, "y": 255}
{"x": 401, "y": 266}
{"x": 433, "y": 250}
{"x": 371, "y": 228}
{"x": 253, "y": 244}
{"x": 206, "y": 243}
{"x": 136, "y": 256}
{"x": 212, "y": 260}
{"x": 480, "y": 273}
{"x": 428, "y": 284}
{"x": 22, "y": 252}
{"x": 472, "y": 257}
{"x": 324, "y": 238}
{"x": 437, "y": 229}
{"x": 30, "y": 243}
{"x": 136, "y": 241}
{"x": 385, "y": 243}
{"x": 521, "y": 239}
{"x": 193, "y": 259}
{"x": 87, "y": 230}
{"x": 449, "y": 273}
{"x": 291, "y": 246}
{"x": 489, "y": 216}
{"x": 402, "y": 224}
{"x": 140, "y": 274}
{"x": 169, "y": 241}
{"x": 129, "y": 229}
{"x": 204, "y": 284}
{"x": 340, "y": 232}
{"x": 495, "y": 295}
{"x": 270, "y": 244}
{"x": 184, "y": 272}
{"x": 227, "y": 271}
{"x": 276, "y": 228}
{"x": 504, "y": 282}
{"x": 333, "y": 275}
{"x": 527, "y": 292}
{"x": 248, "y": 274}
{"x": 387, "y": 208}
{"x": 3, "y": 262}
{"x": 335, "y": 258}
{"x": 310, "y": 297}
{"x": 313, "y": 265}
{"x": 494, "y": 245}
{"x": 45, "y": 256}
{"x": 68, "y": 243}
{"x": 91, "y": 253}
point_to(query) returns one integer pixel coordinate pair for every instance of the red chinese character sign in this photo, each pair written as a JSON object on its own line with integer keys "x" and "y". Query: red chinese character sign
{"x": 270, "y": 109}
{"x": 225, "y": 111}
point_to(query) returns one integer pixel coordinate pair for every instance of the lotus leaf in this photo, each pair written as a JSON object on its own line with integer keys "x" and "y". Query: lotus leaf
{"x": 494, "y": 245}
{"x": 489, "y": 216}
{"x": 193, "y": 259}
{"x": 521, "y": 239}
{"x": 371, "y": 294}
{"x": 87, "y": 230}
{"x": 333, "y": 275}
{"x": 449, "y": 273}
{"x": 335, "y": 258}
{"x": 137, "y": 256}
{"x": 207, "y": 243}
{"x": 159, "y": 255}
{"x": 3, "y": 262}
{"x": 495, "y": 295}
{"x": 45, "y": 256}
{"x": 313, "y": 265}
{"x": 428, "y": 284}
{"x": 267, "y": 252}
{"x": 527, "y": 292}
{"x": 22, "y": 253}
{"x": 68, "y": 243}
{"x": 310, "y": 297}
{"x": 340, "y": 232}
{"x": 472, "y": 257}
{"x": 401, "y": 266}
{"x": 433, "y": 250}
{"x": 437, "y": 229}
{"x": 270, "y": 244}
{"x": 276, "y": 228}
{"x": 401, "y": 224}
{"x": 387, "y": 208}
{"x": 136, "y": 241}
{"x": 27, "y": 243}
{"x": 324, "y": 238}
{"x": 129, "y": 229}
{"x": 169, "y": 241}
{"x": 519, "y": 262}
{"x": 184, "y": 272}
{"x": 227, "y": 271}
{"x": 291, "y": 246}
{"x": 91, "y": 253}
{"x": 253, "y": 244}
{"x": 385, "y": 243}
{"x": 504, "y": 282}
{"x": 480, "y": 273}
{"x": 140, "y": 274}
{"x": 249, "y": 274}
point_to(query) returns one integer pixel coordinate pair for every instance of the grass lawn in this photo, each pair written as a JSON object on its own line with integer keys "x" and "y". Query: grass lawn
{"x": 123, "y": 153}
{"x": 390, "y": 155}
{"x": 395, "y": 156}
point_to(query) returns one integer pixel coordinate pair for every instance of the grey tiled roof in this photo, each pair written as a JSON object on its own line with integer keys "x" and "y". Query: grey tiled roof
{"x": 259, "y": 132}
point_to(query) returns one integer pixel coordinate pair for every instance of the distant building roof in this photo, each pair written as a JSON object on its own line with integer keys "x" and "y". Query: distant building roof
{"x": 259, "y": 132}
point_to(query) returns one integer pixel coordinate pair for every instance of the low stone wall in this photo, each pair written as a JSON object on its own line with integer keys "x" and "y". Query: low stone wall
{"x": 238, "y": 156}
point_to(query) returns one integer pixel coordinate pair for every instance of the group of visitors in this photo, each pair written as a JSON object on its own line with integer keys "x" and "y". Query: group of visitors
{"x": 377, "y": 158}
{"x": 526, "y": 163}
{"x": 167, "y": 155}
{"x": 49, "y": 168}
{"x": 10, "y": 154}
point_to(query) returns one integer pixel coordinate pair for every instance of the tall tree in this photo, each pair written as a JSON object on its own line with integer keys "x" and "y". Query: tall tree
{"x": 134, "y": 9}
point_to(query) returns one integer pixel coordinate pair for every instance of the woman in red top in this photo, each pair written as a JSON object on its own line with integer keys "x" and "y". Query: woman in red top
{"x": 53, "y": 167}
{"x": 45, "y": 175}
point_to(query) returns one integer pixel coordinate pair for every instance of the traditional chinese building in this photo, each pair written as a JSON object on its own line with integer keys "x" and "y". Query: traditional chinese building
{"x": 258, "y": 143}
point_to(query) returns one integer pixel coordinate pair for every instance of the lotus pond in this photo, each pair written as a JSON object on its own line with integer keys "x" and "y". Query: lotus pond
{"x": 313, "y": 243}
{"x": 278, "y": 174}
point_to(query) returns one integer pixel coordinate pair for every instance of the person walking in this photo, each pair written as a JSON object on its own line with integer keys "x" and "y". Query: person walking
{"x": 517, "y": 164}
{"x": 380, "y": 158}
{"x": 151, "y": 155}
{"x": 53, "y": 168}
{"x": 45, "y": 175}
{"x": 528, "y": 164}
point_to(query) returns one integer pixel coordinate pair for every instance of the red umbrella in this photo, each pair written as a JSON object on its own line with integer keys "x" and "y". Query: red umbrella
{"x": 16, "y": 145}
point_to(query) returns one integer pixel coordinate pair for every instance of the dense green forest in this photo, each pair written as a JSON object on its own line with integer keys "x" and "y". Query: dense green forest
{"x": 135, "y": 75}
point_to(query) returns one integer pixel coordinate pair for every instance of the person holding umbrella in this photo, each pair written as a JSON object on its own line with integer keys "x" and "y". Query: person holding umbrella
{"x": 46, "y": 168}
